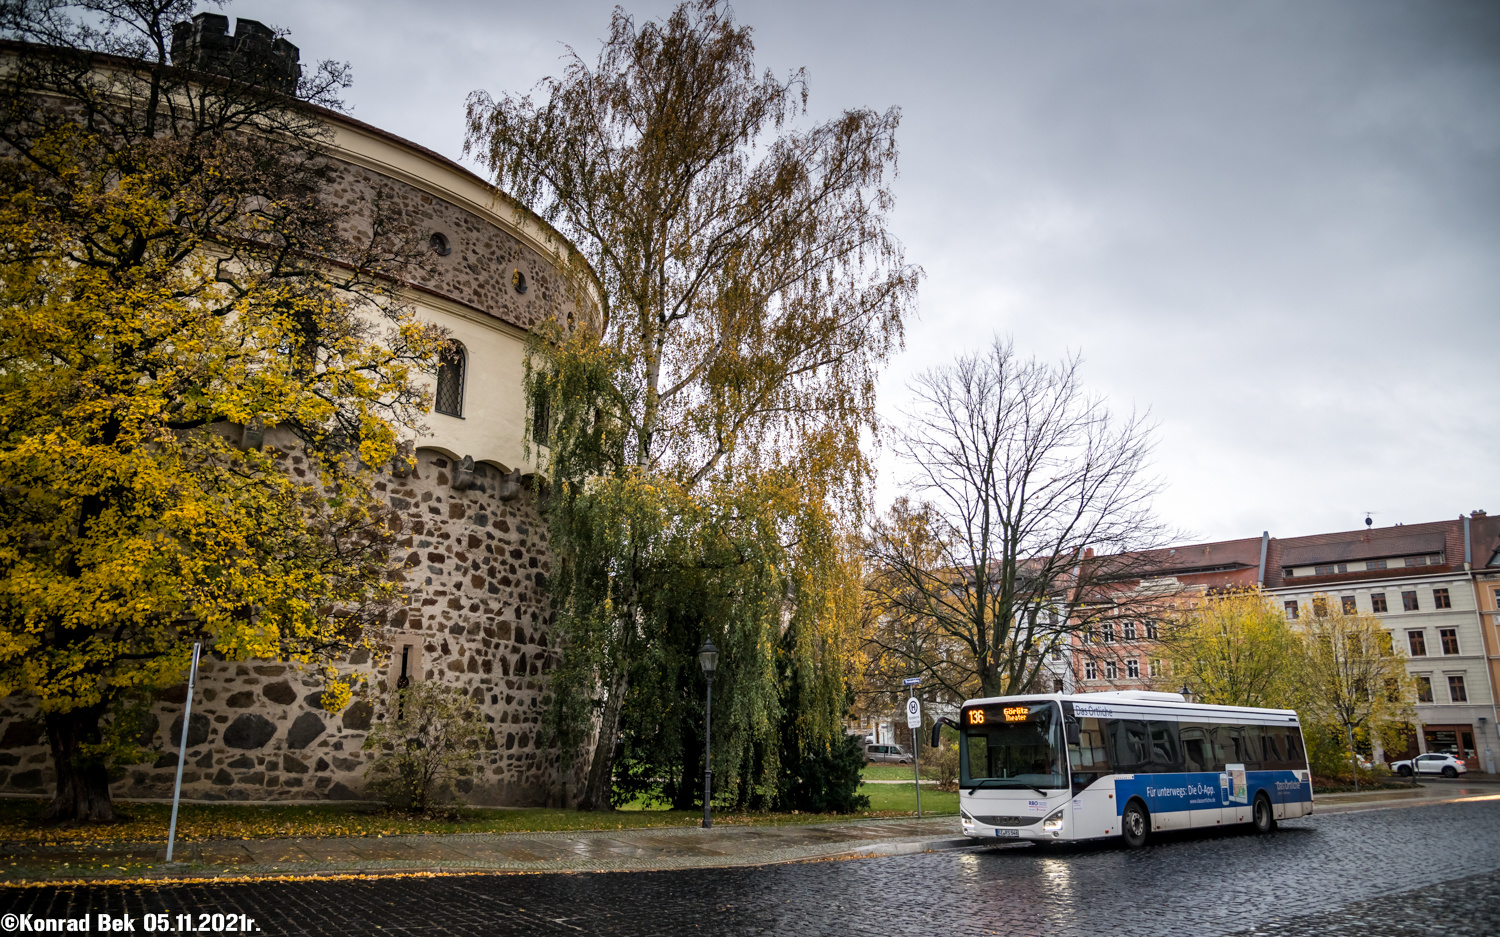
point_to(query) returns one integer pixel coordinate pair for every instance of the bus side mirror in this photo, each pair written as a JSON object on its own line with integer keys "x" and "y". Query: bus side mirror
{"x": 1074, "y": 735}
{"x": 937, "y": 728}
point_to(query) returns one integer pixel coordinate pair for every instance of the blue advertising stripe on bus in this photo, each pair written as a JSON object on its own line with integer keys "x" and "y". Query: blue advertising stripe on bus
{"x": 1204, "y": 791}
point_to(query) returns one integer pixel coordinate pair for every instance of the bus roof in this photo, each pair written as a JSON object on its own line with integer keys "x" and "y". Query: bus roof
{"x": 1144, "y": 702}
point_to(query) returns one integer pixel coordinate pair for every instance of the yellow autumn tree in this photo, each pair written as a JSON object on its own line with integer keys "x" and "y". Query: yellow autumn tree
{"x": 168, "y": 298}
{"x": 1235, "y": 649}
{"x": 1354, "y": 684}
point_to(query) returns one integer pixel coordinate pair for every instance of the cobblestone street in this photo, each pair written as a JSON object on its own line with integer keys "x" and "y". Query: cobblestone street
{"x": 1412, "y": 870}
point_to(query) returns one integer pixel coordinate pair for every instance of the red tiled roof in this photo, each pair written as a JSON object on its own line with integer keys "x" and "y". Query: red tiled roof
{"x": 1340, "y": 547}
{"x": 1205, "y": 556}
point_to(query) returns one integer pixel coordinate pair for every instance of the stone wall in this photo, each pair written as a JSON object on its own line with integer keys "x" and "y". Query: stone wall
{"x": 479, "y": 269}
{"x": 472, "y": 552}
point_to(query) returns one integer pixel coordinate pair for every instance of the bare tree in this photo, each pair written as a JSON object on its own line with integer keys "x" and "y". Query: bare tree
{"x": 1038, "y": 509}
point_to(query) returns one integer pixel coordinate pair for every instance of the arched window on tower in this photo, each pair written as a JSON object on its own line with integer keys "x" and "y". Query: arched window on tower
{"x": 450, "y": 381}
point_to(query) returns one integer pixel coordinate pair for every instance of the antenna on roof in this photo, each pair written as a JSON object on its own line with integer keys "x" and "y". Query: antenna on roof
{"x": 1368, "y": 521}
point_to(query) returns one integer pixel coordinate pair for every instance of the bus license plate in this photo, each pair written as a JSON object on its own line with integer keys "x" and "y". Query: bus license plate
{"x": 1015, "y": 833}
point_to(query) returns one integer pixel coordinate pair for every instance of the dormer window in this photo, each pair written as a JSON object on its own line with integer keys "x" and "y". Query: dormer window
{"x": 450, "y": 381}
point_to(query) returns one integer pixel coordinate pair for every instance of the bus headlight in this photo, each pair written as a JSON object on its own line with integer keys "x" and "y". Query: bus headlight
{"x": 1054, "y": 822}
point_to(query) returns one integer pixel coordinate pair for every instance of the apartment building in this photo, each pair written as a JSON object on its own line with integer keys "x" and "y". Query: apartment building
{"x": 1418, "y": 579}
{"x": 1435, "y": 586}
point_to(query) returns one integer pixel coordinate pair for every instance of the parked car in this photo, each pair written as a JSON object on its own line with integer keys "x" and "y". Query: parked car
{"x": 886, "y": 755}
{"x": 1448, "y": 766}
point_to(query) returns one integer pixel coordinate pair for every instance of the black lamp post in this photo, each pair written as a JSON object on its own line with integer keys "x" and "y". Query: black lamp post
{"x": 1187, "y": 693}
{"x": 708, "y": 659}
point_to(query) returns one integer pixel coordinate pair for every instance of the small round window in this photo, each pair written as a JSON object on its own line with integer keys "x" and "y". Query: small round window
{"x": 519, "y": 281}
{"x": 439, "y": 244}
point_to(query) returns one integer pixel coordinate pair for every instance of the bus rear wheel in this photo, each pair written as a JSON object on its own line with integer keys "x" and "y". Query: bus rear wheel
{"x": 1135, "y": 824}
{"x": 1263, "y": 818}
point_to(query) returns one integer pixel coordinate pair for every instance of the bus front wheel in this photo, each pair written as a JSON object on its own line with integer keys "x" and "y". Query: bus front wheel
{"x": 1135, "y": 824}
{"x": 1263, "y": 817}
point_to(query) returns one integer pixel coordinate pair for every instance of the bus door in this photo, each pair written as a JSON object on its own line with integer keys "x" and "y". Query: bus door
{"x": 1232, "y": 753}
{"x": 1198, "y": 755}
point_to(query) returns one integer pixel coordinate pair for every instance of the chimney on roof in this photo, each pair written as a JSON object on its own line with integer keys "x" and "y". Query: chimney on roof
{"x": 253, "y": 54}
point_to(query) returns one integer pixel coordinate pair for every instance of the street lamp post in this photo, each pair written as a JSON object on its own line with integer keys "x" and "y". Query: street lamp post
{"x": 708, "y": 659}
{"x": 1187, "y": 693}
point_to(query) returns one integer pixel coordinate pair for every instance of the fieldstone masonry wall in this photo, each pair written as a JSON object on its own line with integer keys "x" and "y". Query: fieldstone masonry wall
{"x": 472, "y": 551}
{"x": 480, "y": 266}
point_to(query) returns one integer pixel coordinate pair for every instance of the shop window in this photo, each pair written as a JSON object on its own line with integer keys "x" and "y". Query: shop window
{"x": 1418, "y": 642}
{"x": 450, "y": 382}
{"x": 1440, "y": 599}
{"x": 1348, "y": 605}
{"x": 1424, "y": 689}
{"x": 1377, "y": 602}
{"x": 1441, "y": 740}
{"x": 1449, "y": 638}
{"x": 1456, "y": 691}
{"x": 1291, "y": 609}
{"x": 1409, "y": 601}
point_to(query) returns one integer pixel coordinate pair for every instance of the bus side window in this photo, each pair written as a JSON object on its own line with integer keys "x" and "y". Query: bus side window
{"x": 1251, "y": 746}
{"x": 1227, "y": 746}
{"x": 1165, "y": 753}
{"x": 1270, "y": 752}
{"x": 1196, "y": 748}
{"x": 1090, "y": 751}
{"x": 1130, "y": 746}
{"x": 1294, "y": 753}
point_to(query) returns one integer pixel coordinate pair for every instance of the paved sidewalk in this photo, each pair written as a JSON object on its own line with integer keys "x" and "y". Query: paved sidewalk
{"x": 1425, "y": 792}
{"x": 660, "y": 848}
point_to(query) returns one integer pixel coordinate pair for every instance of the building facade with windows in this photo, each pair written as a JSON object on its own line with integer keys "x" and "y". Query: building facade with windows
{"x": 1419, "y": 580}
{"x": 472, "y": 547}
{"x": 1435, "y": 587}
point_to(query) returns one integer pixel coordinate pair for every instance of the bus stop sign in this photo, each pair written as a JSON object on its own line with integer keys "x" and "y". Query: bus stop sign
{"x": 913, "y": 713}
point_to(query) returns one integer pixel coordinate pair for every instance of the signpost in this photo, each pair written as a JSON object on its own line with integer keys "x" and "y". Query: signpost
{"x": 914, "y": 723}
{"x": 187, "y": 718}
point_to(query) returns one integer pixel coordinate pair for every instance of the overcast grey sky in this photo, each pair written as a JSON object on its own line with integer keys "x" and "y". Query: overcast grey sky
{"x": 1276, "y": 225}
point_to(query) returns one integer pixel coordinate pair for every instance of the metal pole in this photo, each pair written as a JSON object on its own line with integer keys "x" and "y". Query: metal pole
{"x": 916, "y": 761}
{"x": 708, "y": 736}
{"x": 1354, "y": 757}
{"x": 187, "y": 718}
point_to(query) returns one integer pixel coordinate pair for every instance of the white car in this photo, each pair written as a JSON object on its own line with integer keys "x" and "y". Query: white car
{"x": 1431, "y": 763}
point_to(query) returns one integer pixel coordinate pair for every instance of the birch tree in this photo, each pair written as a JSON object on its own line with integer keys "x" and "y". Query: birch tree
{"x": 703, "y": 427}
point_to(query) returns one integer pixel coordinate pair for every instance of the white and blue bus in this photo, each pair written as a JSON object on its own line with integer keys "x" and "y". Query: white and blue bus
{"x": 1067, "y": 767}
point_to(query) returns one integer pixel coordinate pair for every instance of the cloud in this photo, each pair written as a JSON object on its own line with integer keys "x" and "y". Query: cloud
{"x": 1273, "y": 224}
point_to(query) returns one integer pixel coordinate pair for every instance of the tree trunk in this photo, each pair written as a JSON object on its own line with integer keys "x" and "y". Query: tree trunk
{"x": 601, "y": 778}
{"x": 82, "y": 783}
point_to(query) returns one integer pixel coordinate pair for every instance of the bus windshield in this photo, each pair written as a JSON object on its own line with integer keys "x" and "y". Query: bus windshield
{"x": 1012, "y": 746}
